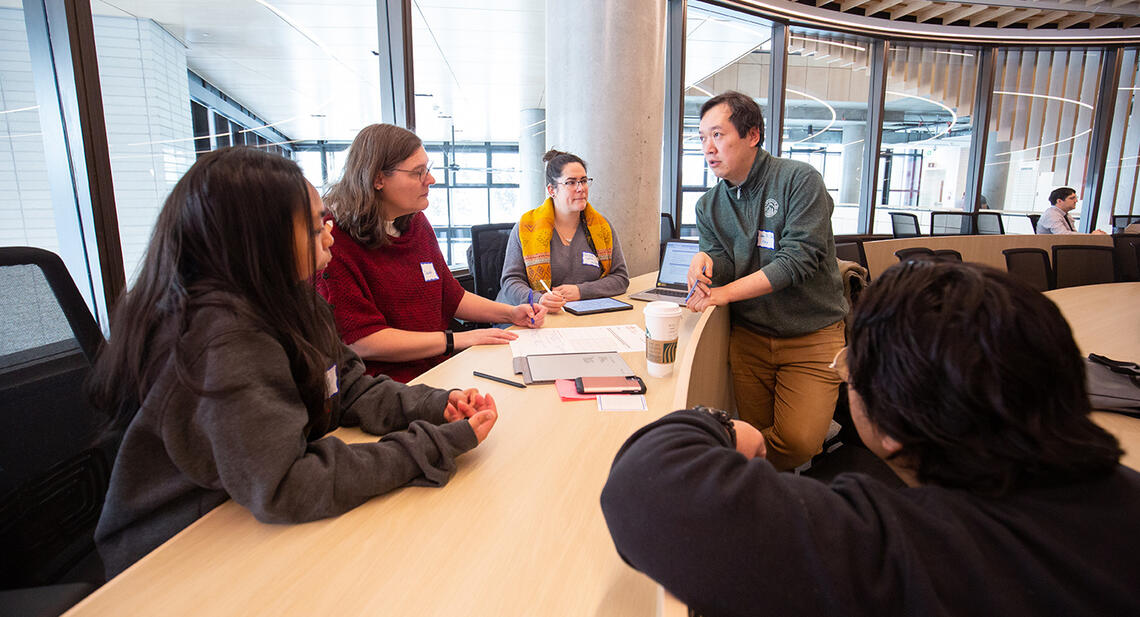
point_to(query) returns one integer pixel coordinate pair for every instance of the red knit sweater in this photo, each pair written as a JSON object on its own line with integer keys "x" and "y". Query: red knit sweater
{"x": 374, "y": 289}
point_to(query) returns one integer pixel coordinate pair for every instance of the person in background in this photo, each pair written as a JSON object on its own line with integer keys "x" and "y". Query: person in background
{"x": 1055, "y": 219}
{"x": 224, "y": 371}
{"x": 564, "y": 246}
{"x": 391, "y": 290}
{"x": 767, "y": 246}
{"x": 1015, "y": 504}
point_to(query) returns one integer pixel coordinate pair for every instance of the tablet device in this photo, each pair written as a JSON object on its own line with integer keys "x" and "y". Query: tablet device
{"x": 597, "y": 305}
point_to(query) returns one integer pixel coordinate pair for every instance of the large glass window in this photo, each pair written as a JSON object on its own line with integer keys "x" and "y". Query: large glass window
{"x": 1122, "y": 171}
{"x": 178, "y": 80}
{"x": 825, "y": 114}
{"x": 927, "y": 126}
{"x": 479, "y": 78}
{"x": 723, "y": 51}
{"x": 1040, "y": 126}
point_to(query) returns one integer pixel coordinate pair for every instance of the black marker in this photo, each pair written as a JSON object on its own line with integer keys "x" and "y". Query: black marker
{"x": 498, "y": 379}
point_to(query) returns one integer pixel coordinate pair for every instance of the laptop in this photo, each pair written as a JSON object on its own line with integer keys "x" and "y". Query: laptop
{"x": 672, "y": 284}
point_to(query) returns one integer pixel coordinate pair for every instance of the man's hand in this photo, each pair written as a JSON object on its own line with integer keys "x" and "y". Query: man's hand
{"x": 749, "y": 440}
{"x": 462, "y": 404}
{"x": 700, "y": 269}
{"x": 484, "y": 418}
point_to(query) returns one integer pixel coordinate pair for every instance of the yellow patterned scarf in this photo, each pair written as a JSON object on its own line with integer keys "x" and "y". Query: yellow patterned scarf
{"x": 536, "y": 229}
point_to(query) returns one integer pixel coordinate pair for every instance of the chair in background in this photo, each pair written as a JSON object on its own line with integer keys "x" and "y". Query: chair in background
{"x": 989, "y": 224}
{"x": 851, "y": 251}
{"x": 951, "y": 223}
{"x": 1033, "y": 220}
{"x": 1120, "y": 221}
{"x": 1076, "y": 264}
{"x": 486, "y": 255}
{"x": 1125, "y": 247}
{"x": 55, "y": 461}
{"x": 914, "y": 252}
{"x": 1030, "y": 266}
{"x": 904, "y": 225}
{"x": 668, "y": 232}
{"x": 949, "y": 254}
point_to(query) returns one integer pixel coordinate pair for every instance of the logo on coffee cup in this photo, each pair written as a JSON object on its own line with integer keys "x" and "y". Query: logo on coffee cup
{"x": 660, "y": 352}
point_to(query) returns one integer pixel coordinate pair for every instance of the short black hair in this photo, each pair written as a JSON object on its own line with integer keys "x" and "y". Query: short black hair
{"x": 977, "y": 376}
{"x": 1060, "y": 193}
{"x": 745, "y": 112}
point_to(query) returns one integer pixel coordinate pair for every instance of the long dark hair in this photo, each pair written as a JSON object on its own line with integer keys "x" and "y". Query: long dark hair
{"x": 355, "y": 201}
{"x": 227, "y": 226}
{"x": 977, "y": 376}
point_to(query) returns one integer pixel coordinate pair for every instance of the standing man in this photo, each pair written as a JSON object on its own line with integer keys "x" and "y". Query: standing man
{"x": 1055, "y": 219}
{"x": 768, "y": 252}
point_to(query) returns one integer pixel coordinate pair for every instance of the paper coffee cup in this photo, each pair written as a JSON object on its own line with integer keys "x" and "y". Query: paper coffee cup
{"x": 662, "y": 322}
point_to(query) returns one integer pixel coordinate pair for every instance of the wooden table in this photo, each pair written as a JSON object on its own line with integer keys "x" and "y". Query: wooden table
{"x": 517, "y": 531}
{"x": 1106, "y": 320}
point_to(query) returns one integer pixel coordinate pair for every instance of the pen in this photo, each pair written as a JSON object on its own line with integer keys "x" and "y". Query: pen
{"x": 498, "y": 379}
{"x": 530, "y": 301}
{"x": 693, "y": 288}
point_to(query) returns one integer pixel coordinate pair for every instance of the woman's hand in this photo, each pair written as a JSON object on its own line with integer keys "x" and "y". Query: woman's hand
{"x": 483, "y": 336}
{"x": 528, "y": 317}
{"x": 749, "y": 440}
{"x": 553, "y": 301}
{"x": 569, "y": 293}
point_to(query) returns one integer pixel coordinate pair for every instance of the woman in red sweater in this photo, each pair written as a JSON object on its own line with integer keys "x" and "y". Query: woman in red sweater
{"x": 392, "y": 293}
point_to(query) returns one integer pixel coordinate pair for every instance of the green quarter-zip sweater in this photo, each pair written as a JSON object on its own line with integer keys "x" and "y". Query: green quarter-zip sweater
{"x": 777, "y": 221}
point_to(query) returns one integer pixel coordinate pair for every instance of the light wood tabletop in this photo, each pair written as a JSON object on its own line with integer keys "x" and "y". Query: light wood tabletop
{"x": 1106, "y": 320}
{"x": 517, "y": 531}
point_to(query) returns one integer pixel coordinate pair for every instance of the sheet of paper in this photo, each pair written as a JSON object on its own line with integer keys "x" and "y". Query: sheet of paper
{"x": 621, "y": 402}
{"x": 592, "y": 339}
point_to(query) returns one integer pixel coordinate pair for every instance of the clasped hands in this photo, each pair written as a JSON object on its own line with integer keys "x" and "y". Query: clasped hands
{"x": 705, "y": 295}
{"x": 478, "y": 409}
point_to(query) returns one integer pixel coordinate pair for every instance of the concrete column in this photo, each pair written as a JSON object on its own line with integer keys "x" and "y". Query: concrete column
{"x": 852, "y": 162}
{"x": 605, "y": 101}
{"x": 532, "y": 145}
{"x": 995, "y": 178}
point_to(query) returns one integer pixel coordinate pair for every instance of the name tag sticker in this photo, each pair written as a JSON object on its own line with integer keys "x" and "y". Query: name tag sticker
{"x": 428, "y": 269}
{"x": 767, "y": 240}
{"x": 331, "y": 388}
{"x": 590, "y": 259}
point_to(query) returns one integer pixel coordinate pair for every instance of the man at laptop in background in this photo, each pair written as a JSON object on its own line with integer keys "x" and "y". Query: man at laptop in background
{"x": 768, "y": 252}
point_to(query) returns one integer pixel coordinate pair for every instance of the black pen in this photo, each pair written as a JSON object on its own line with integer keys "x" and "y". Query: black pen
{"x": 498, "y": 379}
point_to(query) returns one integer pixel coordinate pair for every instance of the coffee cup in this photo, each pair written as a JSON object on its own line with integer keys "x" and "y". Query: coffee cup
{"x": 662, "y": 323}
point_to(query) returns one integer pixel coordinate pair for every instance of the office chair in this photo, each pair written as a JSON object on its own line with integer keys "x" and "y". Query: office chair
{"x": 1076, "y": 264}
{"x": 851, "y": 251}
{"x": 913, "y": 253}
{"x": 989, "y": 224}
{"x": 948, "y": 254}
{"x": 950, "y": 223}
{"x": 1127, "y": 263}
{"x": 668, "y": 232}
{"x": 1120, "y": 221}
{"x": 904, "y": 225}
{"x": 1030, "y": 266}
{"x": 488, "y": 251}
{"x": 55, "y": 461}
{"x": 1033, "y": 218}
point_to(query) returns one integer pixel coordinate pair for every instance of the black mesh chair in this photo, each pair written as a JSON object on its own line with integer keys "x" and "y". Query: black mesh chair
{"x": 1033, "y": 218}
{"x": 851, "y": 251}
{"x": 485, "y": 260}
{"x": 668, "y": 232}
{"x": 1076, "y": 264}
{"x": 904, "y": 225}
{"x": 54, "y": 460}
{"x": 1125, "y": 247}
{"x": 1030, "y": 266}
{"x": 989, "y": 224}
{"x": 951, "y": 223}
{"x": 914, "y": 252}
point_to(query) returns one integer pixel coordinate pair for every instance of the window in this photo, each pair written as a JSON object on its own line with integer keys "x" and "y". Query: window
{"x": 1122, "y": 170}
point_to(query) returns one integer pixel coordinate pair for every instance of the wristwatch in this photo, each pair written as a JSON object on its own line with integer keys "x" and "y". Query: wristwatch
{"x": 721, "y": 416}
{"x": 450, "y": 342}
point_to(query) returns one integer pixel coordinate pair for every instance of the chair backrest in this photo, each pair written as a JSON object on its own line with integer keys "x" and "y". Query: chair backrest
{"x": 950, "y": 254}
{"x": 54, "y": 461}
{"x": 1031, "y": 266}
{"x": 668, "y": 232}
{"x": 1075, "y": 264}
{"x": 488, "y": 250}
{"x": 904, "y": 225}
{"x": 910, "y": 253}
{"x": 989, "y": 224}
{"x": 1033, "y": 220}
{"x": 1127, "y": 263}
{"x": 950, "y": 223}
{"x": 851, "y": 251}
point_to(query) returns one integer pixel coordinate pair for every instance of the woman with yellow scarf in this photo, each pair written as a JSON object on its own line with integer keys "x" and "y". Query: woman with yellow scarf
{"x": 563, "y": 250}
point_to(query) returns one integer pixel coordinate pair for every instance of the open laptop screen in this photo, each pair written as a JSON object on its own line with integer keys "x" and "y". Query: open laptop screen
{"x": 675, "y": 263}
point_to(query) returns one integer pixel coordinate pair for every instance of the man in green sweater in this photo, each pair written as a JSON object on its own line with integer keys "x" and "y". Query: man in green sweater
{"x": 767, "y": 251}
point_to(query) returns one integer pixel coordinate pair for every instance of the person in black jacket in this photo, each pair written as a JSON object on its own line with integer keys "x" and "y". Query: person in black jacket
{"x": 970, "y": 386}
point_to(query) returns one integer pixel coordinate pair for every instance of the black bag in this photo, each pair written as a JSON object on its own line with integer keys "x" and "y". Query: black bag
{"x": 1113, "y": 385}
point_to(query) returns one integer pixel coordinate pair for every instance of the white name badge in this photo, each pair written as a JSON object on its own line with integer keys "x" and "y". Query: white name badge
{"x": 766, "y": 240}
{"x": 590, "y": 259}
{"x": 428, "y": 269}
{"x": 331, "y": 388}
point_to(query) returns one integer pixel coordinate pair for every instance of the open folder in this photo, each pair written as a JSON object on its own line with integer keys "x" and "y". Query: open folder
{"x": 545, "y": 368}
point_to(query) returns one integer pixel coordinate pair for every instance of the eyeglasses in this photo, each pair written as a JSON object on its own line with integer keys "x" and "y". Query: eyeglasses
{"x": 573, "y": 184}
{"x": 839, "y": 364}
{"x": 419, "y": 173}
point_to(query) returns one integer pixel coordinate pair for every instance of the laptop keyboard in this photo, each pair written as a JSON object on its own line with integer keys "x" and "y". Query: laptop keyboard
{"x": 664, "y": 291}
